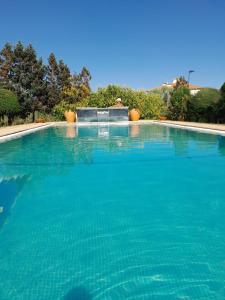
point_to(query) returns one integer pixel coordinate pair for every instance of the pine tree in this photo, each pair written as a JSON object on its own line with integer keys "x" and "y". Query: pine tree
{"x": 52, "y": 82}
{"x": 64, "y": 75}
{"x": 6, "y": 64}
{"x": 24, "y": 74}
{"x": 81, "y": 83}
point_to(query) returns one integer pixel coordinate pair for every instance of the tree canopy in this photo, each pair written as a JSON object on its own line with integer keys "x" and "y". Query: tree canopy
{"x": 39, "y": 86}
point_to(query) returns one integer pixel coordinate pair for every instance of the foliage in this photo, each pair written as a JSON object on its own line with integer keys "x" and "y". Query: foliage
{"x": 181, "y": 81}
{"x": 202, "y": 106}
{"x": 221, "y": 105}
{"x": 59, "y": 109}
{"x": 178, "y": 103}
{"x": 40, "y": 87}
{"x": 23, "y": 73}
{"x": 149, "y": 104}
{"x": 105, "y": 97}
{"x": 9, "y": 104}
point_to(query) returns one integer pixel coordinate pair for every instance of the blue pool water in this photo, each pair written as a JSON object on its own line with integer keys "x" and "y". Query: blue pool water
{"x": 112, "y": 213}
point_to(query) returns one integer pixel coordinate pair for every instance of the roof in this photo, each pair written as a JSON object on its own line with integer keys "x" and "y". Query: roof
{"x": 170, "y": 85}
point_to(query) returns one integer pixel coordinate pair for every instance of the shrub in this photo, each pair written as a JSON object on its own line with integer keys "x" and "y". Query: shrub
{"x": 9, "y": 104}
{"x": 202, "y": 106}
{"x": 105, "y": 97}
{"x": 59, "y": 109}
{"x": 221, "y": 105}
{"x": 149, "y": 104}
{"x": 178, "y": 103}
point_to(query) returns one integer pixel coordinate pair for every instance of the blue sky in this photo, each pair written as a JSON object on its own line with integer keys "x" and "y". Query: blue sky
{"x": 136, "y": 43}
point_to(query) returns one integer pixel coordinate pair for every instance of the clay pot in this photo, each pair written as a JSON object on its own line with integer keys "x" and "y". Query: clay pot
{"x": 70, "y": 116}
{"x": 40, "y": 120}
{"x": 134, "y": 114}
{"x": 162, "y": 118}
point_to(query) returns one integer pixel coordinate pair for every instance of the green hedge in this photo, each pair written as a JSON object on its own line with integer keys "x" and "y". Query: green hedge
{"x": 150, "y": 104}
{"x": 9, "y": 105}
{"x": 203, "y": 106}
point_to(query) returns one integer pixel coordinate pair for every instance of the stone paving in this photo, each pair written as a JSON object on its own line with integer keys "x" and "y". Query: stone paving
{"x": 4, "y": 131}
{"x": 219, "y": 127}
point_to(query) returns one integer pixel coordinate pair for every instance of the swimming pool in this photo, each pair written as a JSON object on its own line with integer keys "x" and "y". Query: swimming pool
{"x": 112, "y": 212}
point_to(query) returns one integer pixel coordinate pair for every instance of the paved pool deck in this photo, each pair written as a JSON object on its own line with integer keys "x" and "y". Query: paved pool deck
{"x": 217, "y": 127}
{"x": 4, "y": 131}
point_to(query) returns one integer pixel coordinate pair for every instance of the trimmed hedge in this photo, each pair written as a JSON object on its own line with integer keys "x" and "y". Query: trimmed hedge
{"x": 9, "y": 105}
{"x": 150, "y": 104}
{"x": 203, "y": 106}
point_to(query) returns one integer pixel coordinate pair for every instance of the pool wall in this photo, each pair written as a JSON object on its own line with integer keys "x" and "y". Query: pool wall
{"x": 94, "y": 114}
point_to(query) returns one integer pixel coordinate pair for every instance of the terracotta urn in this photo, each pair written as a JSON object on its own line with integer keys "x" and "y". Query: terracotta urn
{"x": 134, "y": 114}
{"x": 162, "y": 118}
{"x": 70, "y": 116}
{"x": 40, "y": 120}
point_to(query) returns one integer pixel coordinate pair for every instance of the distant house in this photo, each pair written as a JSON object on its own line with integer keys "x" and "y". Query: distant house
{"x": 194, "y": 89}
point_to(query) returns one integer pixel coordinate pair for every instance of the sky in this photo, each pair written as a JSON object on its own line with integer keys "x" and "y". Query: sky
{"x": 135, "y": 43}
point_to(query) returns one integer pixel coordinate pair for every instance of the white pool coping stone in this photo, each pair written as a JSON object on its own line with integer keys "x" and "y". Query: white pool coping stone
{"x": 18, "y": 134}
{"x": 192, "y": 128}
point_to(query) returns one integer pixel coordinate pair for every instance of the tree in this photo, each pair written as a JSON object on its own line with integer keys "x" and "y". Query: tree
{"x": 6, "y": 63}
{"x": 9, "y": 104}
{"x": 181, "y": 81}
{"x": 29, "y": 79}
{"x": 221, "y": 105}
{"x": 64, "y": 76}
{"x": 202, "y": 106}
{"x": 178, "y": 103}
{"x": 24, "y": 74}
{"x": 81, "y": 83}
{"x": 52, "y": 82}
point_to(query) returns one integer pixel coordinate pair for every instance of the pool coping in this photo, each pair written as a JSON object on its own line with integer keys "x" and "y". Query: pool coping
{"x": 192, "y": 127}
{"x": 11, "y": 136}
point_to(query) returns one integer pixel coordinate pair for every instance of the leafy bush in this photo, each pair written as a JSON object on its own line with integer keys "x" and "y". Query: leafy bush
{"x": 105, "y": 97}
{"x": 221, "y": 105}
{"x": 202, "y": 106}
{"x": 178, "y": 103}
{"x": 9, "y": 104}
{"x": 149, "y": 104}
{"x": 59, "y": 109}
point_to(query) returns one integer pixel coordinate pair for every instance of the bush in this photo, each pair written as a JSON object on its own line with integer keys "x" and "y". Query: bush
{"x": 202, "y": 106}
{"x": 105, "y": 97}
{"x": 9, "y": 105}
{"x": 221, "y": 105}
{"x": 178, "y": 103}
{"x": 149, "y": 104}
{"x": 59, "y": 109}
